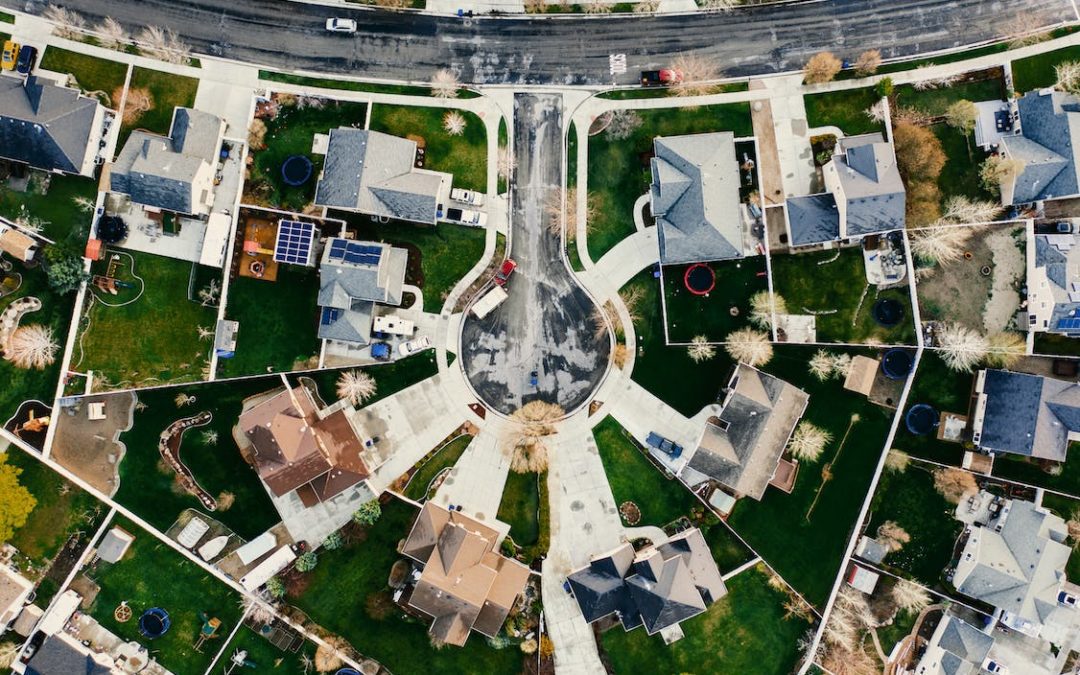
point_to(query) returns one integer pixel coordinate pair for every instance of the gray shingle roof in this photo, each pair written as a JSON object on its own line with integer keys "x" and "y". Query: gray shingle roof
{"x": 45, "y": 126}
{"x": 1049, "y": 124}
{"x": 1050, "y": 257}
{"x": 870, "y": 184}
{"x": 351, "y": 325}
{"x": 57, "y": 657}
{"x": 813, "y": 219}
{"x": 695, "y": 198}
{"x": 956, "y": 648}
{"x": 1028, "y": 414}
{"x": 353, "y": 288}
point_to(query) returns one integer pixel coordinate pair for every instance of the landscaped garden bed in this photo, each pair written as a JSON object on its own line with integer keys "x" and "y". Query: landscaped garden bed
{"x": 464, "y": 156}
{"x": 722, "y": 310}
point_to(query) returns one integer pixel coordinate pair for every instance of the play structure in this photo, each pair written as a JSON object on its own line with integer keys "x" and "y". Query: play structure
{"x": 921, "y": 419}
{"x": 209, "y": 630}
{"x": 699, "y": 279}
{"x": 239, "y": 660}
{"x": 154, "y": 623}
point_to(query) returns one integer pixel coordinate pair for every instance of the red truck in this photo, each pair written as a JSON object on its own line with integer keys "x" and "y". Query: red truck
{"x": 665, "y": 77}
{"x": 505, "y": 271}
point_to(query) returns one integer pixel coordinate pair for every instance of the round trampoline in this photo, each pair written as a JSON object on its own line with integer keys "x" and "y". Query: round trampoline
{"x": 887, "y": 312}
{"x": 921, "y": 419}
{"x": 699, "y": 279}
{"x": 897, "y": 364}
{"x": 154, "y": 623}
{"x": 347, "y": 671}
{"x": 296, "y": 170}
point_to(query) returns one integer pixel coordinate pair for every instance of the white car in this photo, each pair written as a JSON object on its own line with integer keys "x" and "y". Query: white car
{"x": 338, "y": 25}
{"x": 467, "y": 197}
{"x": 413, "y": 346}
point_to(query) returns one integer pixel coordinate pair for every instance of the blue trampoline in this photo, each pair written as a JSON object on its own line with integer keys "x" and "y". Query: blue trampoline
{"x": 296, "y": 170}
{"x": 154, "y": 623}
{"x": 347, "y": 671}
{"x": 921, "y": 419}
{"x": 897, "y": 364}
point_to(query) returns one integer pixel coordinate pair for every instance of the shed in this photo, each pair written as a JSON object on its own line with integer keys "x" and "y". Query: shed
{"x": 870, "y": 549}
{"x": 860, "y": 377}
{"x": 262, "y": 573}
{"x": 862, "y": 579}
{"x": 115, "y": 544}
{"x": 722, "y": 502}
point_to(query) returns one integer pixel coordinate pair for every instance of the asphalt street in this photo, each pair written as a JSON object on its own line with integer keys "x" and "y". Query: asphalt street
{"x": 545, "y": 325}
{"x": 568, "y": 50}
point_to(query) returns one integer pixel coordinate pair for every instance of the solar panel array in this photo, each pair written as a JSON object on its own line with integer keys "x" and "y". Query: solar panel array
{"x": 1071, "y": 323}
{"x": 355, "y": 252}
{"x": 330, "y": 315}
{"x": 294, "y": 241}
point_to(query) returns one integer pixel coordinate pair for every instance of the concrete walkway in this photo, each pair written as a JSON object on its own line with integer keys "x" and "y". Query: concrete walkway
{"x": 476, "y": 482}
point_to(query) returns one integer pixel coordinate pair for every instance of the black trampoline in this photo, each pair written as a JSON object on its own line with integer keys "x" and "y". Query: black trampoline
{"x": 154, "y": 623}
{"x": 112, "y": 230}
{"x": 921, "y": 419}
{"x": 887, "y": 312}
{"x": 296, "y": 170}
{"x": 897, "y": 364}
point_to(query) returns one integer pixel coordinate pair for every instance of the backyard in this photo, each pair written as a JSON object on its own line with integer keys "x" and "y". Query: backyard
{"x": 1064, "y": 476}
{"x": 167, "y": 91}
{"x": 946, "y": 391}
{"x": 619, "y": 173}
{"x": 444, "y": 458}
{"x": 147, "y": 334}
{"x": 96, "y": 77}
{"x": 464, "y": 156}
{"x": 845, "y": 109}
{"x": 714, "y": 315}
{"x": 266, "y": 657}
{"x": 833, "y": 285}
{"x": 53, "y": 202}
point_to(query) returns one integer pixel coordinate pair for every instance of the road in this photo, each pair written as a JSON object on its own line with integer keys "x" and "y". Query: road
{"x": 574, "y": 50}
{"x": 545, "y": 325}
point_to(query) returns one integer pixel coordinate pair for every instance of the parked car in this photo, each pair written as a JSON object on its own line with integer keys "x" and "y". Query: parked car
{"x": 27, "y": 59}
{"x": 381, "y": 351}
{"x": 413, "y": 346}
{"x": 467, "y": 217}
{"x": 339, "y": 25}
{"x": 505, "y": 271}
{"x": 1066, "y": 598}
{"x": 467, "y": 196}
{"x": 665, "y": 77}
{"x": 9, "y": 56}
{"x": 992, "y": 666}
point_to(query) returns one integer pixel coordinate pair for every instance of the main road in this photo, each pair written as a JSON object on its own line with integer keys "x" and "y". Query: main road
{"x": 571, "y": 50}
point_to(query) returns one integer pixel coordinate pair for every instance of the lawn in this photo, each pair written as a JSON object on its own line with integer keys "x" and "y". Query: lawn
{"x": 290, "y": 133}
{"x": 1056, "y": 345}
{"x": 744, "y": 632}
{"x": 936, "y": 101}
{"x": 845, "y": 109}
{"x": 663, "y": 92}
{"x": 1024, "y": 470}
{"x": 633, "y": 477}
{"x": 808, "y": 283}
{"x": 947, "y": 391}
{"x": 1036, "y": 72}
{"x": 445, "y": 458}
{"x": 619, "y": 169}
{"x": 439, "y": 256}
{"x": 147, "y": 484}
{"x": 351, "y": 85}
{"x": 520, "y": 507}
{"x": 266, "y": 657}
{"x": 960, "y": 175}
{"x": 806, "y": 546}
{"x": 390, "y": 378}
{"x": 337, "y": 590}
{"x": 96, "y": 77}
{"x": 154, "y": 338}
{"x": 728, "y": 552}
{"x": 690, "y": 315}
{"x": 153, "y": 575}
{"x": 51, "y": 199}
{"x": 909, "y": 499}
{"x": 7, "y": 18}
{"x": 1066, "y": 508}
{"x": 278, "y": 322}
{"x": 464, "y": 156}
{"x": 167, "y": 91}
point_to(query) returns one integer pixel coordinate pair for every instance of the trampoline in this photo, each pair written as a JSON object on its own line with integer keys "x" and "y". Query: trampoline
{"x": 154, "y": 623}
{"x": 921, "y": 419}
{"x": 699, "y": 279}
{"x": 347, "y": 671}
{"x": 112, "y": 230}
{"x": 887, "y": 312}
{"x": 897, "y": 364}
{"x": 296, "y": 170}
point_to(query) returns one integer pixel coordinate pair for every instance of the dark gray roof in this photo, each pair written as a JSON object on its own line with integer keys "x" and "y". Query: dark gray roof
{"x": 870, "y": 183}
{"x": 695, "y": 198}
{"x": 1028, "y": 414}
{"x": 599, "y": 588}
{"x": 56, "y": 657}
{"x": 813, "y": 219}
{"x": 46, "y": 126}
{"x": 348, "y": 325}
{"x": 1049, "y": 122}
{"x": 1052, "y": 252}
{"x": 964, "y": 640}
{"x": 663, "y": 592}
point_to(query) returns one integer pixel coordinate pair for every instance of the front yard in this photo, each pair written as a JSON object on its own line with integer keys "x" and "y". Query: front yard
{"x": 525, "y": 507}
{"x": 445, "y": 458}
{"x": 725, "y": 309}
{"x": 167, "y": 91}
{"x": 96, "y": 77}
{"x": 465, "y": 156}
{"x": 390, "y": 378}
{"x": 1036, "y": 72}
{"x": 845, "y": 109}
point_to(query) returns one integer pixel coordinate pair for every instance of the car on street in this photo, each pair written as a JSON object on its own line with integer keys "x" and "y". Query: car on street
{"x": 505, "y": 271}
{"x": 339, "y": 25}
{"x": 10, "y": 55}
{"x": 466, "y": 216}
{"x": 27, "y": 59}
{"x": 467, "y": 196}
{"x": 413, "y": 346}
{"x": 665, "y": 77}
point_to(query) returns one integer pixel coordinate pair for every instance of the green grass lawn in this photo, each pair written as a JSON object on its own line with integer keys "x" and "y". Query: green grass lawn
{"x": 728, "y": 552}
{"x": 669, "y": 372}
{"x": 619, "y": 171}
{"x": 153, "y": 340}
{"x": 7, "y": 18}
{"x": 1024, "y": 470}
{"x": 147, "y": 485}
{"x": 53, "y": 204}
{"x": 439, "y": 256}
{"x": 845, "y": 109}
{"x": 806, "y": 547}
{"x": 390, "y": 378}
{"x": 1036, "y": 72}
{"x": 1048, "y": 343}
{"x": 520, "y": 507}
{"x": 278, "y": 321}
{"x": 350, "y": 85}
{"x": 744, "y": 632}
{"x": 292, "y": 133}
{"x": 153, "y": 575}
{"x": 338, "y": 588}
{"x": 634, "y": 478}
{"x": 838, "y": 285}
{"x": 464, "y": 156}
{"x": 1066, "y": 508}
{"x": 95, "y": 76}
{"x": 446, "y": 457}
{"x": 936, "y": 101}
{"x": 167, "y": 90}
{"x": 664, "y": 92}
{"x": 896, "y": 631}
{"x": 690, "y": 315}
{"x": 947, "y": 391}
{"x": 909, "y": 499}
{"x": 266, "y": 657}
{"x": 960, "y": 175}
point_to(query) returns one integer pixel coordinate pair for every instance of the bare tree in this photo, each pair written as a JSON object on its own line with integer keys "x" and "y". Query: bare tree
{"x": 647, "y": 7}
{"x": 445, "y": 84}
{"x": 1024, "y": 29}
{"x": 210, "y": 437}
{"x": 84, "y": 204}
{"x": 112, "y": 34}
{"x": 808, "y": 441}
{"x": 897, "y": 461}
{"x": 209, "y": 294}
{"x": 961, "y": 115}
{"x": 622, "y": 125}
{"x": 598, "y": 7}
{"x": 138, "y": 101}
{"x": 182, "y": 400}
{"x": 822, "y": 67}
{"x": 205, "y": 333}
{"x": 719, "y": 5}
{"x": 749, "y": 346}
{"x": 762, "y": 306}
{"x": 961, "y": 209}
{"x": 910, "y": 596}
{"x": 1004, "y": 349}
{"x": 454, "y": 123}
{"x": 876, "y": 112}
{"x": 535, "y": 6}
{"x": 355, "y": 386}
{"x": 892, "y": 536}
{"x": 8, "y": 651}
{"x": 565, "y": 216}
{"x": 821, "y": 365}
{"x": 940, "y": 245}
{"x": 1067, "y": 76}
{"x": 525, "y": 444}
{"x": 68, "y": 24}
{"x": 954, "y": 484}
{"x": 505, "y": 163}
{"x": 620, "y": 355}
{"x": 32, "y": 346}
{"x": 328, "y": 654}
{"x": 697, "y": 73}
{"x": 700, "y": 349}
{"x": 868, "y": 62}
{"x": 960, "y": 347}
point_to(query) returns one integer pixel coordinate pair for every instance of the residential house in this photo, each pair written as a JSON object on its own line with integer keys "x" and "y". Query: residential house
{"x": 465, "y": 584}
{"x": 694, "y": 198}
{"x": 1054, "y": 285}
{"x": 1049, "y": 124}
{"x": 863, "y": 195}
{"x": 955, "y": 648}
{"x": 657, "y": 587}
{"x": 1023, "y": 414}
{"x": 375, "y": 173}
{"x": 353, "y": 276}
{"x": 63, "y": 653}
{"x": 51, "y": 128}
{"x": 172, "y": 173}
{"x": 14, "y": 590}
{"x": 740, "y": 448}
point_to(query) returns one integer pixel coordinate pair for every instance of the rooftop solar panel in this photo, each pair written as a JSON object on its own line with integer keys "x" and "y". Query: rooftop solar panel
{"x": 294, "y": 241}
{"x": 330, "y": 315}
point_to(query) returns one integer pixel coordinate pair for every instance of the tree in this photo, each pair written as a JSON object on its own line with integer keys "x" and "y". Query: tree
{"x": 700, "y": 349}
{"x": 868, "y": 63}
{"x": 961, "y": 115}
{"x": 910, "y": 596}
{"x": 697, "y": 71}
{"x": 64, "y": 269}
{"x": 113, "y": 35}
{"x": 328, "y": 654}
{"x": 257, "y": 134}
{"x": 884, "y": 87}
{"x": 225, "y": 500}
{"x": 897, "y": 461}
{"x": 355, "y": 386}
{"x": 892, "y": 536}
{"x": 32, "y": 346}
{"x": 454, "y": 123}
{"x": 16, "y": 502}
{"x": 562, "y": 212}
{"x": 822, "y": 67}
{"x": 919, "y": 154}
{"x": 808, "y": 441}
{"x": 961, "y": 347}
{"x": 749, "y": 346}
{"x": 954, "y": 484}
{"x": 961, "y": 209}
{"x": 940, "y": 245}
{"x": 524, "y": 443}
{"x": 210, "y": 437}
{"x": 444, "y": 84}
{"x": 69, "y": 24}
{"x": 923, "y": 203}
{"x": 307, "y": 562}
{"x": 275, "y": 587}
{"x": 999, "y": 170}
{"x": 821, "y": 365}
{"x": 1067, "y": 76}
{"x": 763, "y": 305}
{"x": 368, "y": 513}
{"x": 505, "y": 163}
{"x": 1004, "y": 349}
{"x": 622, "y": 125}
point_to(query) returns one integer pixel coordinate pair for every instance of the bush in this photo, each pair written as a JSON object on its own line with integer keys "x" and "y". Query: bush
{"x": 276, "y": 588}
{"x": 884, "y": 88}
{"x": 307, "y": 562}
{"x": 368, "y": 513}
{"x": 65, "y": 269}
{"x": 333, "y": 542}
{"x": 379, "y": 605}
{"x": 821, "y": 67}
{"x": 920, "y": 158}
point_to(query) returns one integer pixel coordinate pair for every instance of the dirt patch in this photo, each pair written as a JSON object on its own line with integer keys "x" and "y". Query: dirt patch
{"x": 958, "y": 291}
{"x": 91, "y": 449}
{"x": 1009, "y": 273}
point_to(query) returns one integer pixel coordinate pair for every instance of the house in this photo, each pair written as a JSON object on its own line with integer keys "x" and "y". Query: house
{"x": 51, "y": 128}
{"x": 114, "y": 544}
{"x": 63, "y": 653}
{"x": 694, "y": 198}
{"x": 1049, "y": 124}
{"x": 465, "y": 584}
{"x": 863, "y": 195}
{"x": 657, "y": 587}
{"x": 298, "y": 446}
{"x": 741, "y": 447}
{"x": 353, "y": 276}
{"x": 172, "y": 173}
{"x": 14, "y": 590}
{"x": 1030, "y": 415}
{"x": 1054, "y": 285}
{"x": 1013, "y": 558}
{"x": 955, "y": 648}
{"x": 374, "y": 173}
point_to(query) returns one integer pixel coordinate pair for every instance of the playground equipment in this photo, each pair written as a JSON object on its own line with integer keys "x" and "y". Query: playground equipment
{"x": 208, "y": 631}
{"x": 33, "y": 424}
{"x": 154, "y": 623}
{"x": 122, "y": 613}
{"x": 239, "y": 660}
